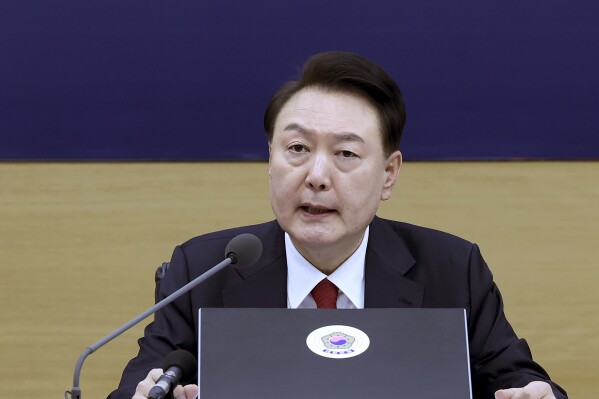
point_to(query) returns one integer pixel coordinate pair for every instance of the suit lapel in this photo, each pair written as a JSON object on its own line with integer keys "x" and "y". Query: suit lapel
{"x": 388, "y": 259}
{"x": 263, "y": 285}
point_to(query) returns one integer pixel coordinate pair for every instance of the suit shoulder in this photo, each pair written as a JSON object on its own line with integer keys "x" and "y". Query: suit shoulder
{"x": 226, "y": 235}
{"x": 418, "y": 236}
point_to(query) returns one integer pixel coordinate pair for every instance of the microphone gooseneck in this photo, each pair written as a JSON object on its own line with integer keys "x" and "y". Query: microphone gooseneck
{"x": 243, "y": 250}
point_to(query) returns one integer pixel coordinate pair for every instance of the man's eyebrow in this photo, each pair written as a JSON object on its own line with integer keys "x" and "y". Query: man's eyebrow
{"x": 341, "y": 136}
{"x": 297, "y": 127}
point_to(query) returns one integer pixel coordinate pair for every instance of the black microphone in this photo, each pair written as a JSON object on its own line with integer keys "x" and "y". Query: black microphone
{"x": 242, "y": 251}
{"x": 179, "y": 367}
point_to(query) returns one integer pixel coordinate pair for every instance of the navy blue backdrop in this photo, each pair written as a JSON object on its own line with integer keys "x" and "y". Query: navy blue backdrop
{"x": 189, "y": 80}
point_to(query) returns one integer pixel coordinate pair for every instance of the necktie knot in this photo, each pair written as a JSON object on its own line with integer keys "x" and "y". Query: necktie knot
{"x": 325, "y": 294}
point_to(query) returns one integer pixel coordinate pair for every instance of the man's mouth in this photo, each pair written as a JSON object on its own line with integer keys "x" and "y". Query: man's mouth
{"x": 315, "y": 211}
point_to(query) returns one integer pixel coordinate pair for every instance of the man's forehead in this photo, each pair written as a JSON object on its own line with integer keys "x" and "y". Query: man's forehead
{"x": 314, "y": 111}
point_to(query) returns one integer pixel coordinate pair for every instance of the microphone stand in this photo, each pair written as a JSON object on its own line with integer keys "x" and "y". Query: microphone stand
{"x": 75, "y": 391}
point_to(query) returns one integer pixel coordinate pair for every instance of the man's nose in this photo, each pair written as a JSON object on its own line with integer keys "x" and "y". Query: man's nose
{"x": 318, "y": 177}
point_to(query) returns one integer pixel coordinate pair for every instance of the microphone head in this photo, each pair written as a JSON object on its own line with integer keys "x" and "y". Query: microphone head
{"x": 244, "y": 250}
{"x": 185, "y": 361}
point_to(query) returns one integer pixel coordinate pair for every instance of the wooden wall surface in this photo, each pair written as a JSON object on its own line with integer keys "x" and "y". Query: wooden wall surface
{"x": 79, "y": 243}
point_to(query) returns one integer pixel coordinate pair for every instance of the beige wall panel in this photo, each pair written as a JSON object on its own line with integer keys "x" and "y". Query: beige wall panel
{"x": 79, "y": 243}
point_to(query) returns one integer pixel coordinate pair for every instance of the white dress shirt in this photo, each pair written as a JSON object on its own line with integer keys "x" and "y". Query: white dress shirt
{"x": 302, "y": 277}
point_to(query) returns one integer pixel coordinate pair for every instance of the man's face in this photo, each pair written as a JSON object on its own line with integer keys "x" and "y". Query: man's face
{"x": 328, "y": 172}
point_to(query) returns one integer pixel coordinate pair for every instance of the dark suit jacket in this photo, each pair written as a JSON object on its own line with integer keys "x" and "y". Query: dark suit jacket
{"x": 406, "y": 266}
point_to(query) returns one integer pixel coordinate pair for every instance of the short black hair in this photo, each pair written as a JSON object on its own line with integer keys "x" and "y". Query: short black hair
{"x": 345, "y": 71}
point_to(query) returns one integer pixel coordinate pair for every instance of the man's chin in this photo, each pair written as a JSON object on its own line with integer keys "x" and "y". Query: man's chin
{"x": 316, "y": 239}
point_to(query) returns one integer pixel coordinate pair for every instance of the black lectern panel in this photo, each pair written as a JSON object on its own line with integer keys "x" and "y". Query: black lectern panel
{"x": 369, "y": 353}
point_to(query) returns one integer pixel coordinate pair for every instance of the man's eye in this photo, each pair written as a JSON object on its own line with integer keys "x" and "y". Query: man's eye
{"x": 297, "y": 148}
{"x": 347, "y": 154}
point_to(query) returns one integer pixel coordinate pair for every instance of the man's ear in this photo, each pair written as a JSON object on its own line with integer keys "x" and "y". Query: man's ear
{"x": 269, "y": 156}
{"x": 392, "y": 167}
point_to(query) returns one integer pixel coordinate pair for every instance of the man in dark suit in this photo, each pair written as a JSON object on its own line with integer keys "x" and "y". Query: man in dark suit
{"x": 333, "y": 138}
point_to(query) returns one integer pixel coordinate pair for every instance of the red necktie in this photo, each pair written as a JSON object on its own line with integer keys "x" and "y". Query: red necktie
{"x": 325, "y": 295}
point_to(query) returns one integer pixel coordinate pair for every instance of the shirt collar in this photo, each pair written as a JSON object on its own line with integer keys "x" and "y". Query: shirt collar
{"x": 302, "y": 276}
